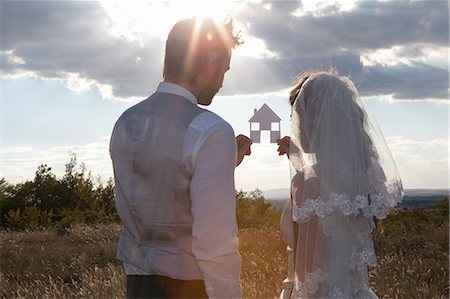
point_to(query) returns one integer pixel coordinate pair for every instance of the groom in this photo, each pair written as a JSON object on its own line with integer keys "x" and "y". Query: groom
{"x": 174, "y": 174}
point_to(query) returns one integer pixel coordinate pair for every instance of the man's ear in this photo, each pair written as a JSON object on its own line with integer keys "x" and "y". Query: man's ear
{"x": 207, "y": 72}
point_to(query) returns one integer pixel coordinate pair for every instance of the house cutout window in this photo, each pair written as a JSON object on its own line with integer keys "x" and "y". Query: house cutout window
{"x": 264, "y": 119}
{"x": 254, "y": 127}
{"x": 275, "y": 126}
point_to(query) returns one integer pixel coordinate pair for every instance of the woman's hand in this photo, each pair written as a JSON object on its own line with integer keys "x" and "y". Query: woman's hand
{"x": 283, "y": 146}
{"x": 243, "y": 147}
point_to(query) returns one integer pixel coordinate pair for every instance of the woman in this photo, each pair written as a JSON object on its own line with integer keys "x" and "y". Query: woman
{"x": 343, "y": 178}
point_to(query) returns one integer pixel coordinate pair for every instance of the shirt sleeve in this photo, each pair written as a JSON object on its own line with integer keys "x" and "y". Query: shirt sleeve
{"x": 213, "y": 208}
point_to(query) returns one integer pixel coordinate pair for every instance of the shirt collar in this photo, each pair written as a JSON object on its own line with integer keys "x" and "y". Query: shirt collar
{"x": 167, "y": 87}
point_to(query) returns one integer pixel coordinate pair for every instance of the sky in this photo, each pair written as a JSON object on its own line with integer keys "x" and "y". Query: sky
{"x": 69, "y": 69}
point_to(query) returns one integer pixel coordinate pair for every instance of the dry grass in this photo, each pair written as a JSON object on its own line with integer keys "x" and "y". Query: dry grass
{"x": 413, "y": 265}
{"x": 44, "y": 264}
{"x": 263, "y": 263}
{"x": 81, "y": 264}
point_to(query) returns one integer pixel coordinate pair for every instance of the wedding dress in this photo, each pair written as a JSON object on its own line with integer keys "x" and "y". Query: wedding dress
{"x": 343, "y": 177}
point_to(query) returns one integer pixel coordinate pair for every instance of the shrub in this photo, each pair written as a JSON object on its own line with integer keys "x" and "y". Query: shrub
{"x": 29, "y": 218}
{"x": 49, "y": 201}
{"x": 254, "y": 212}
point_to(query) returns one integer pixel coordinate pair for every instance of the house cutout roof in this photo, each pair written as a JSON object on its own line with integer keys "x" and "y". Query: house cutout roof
{"x": 264, "y": 119}
{"x": 264, "y": 114}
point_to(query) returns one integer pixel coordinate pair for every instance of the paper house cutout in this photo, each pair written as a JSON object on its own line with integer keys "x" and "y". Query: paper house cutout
{"x": 264, "y": 119}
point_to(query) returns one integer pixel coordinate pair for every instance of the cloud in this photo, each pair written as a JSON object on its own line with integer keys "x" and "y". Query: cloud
{"x": 56, "y": 39}
{"x": 341, "y": 38}
{"x": 19, "y": 164}
{"x": 369, "y": 25}
{"x": 386, "y": 46}
{"x": 43, "y": 112}
{"x": 422, "y": 164}
{"x": 416, "y": 81}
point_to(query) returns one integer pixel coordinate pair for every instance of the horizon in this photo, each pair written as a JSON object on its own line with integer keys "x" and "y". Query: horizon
{"x": 62, "y": 95}
{"x": 283, "y": 193}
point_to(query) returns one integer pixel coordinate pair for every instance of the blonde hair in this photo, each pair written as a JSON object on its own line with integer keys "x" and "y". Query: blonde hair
{"x": 301, "y": 79}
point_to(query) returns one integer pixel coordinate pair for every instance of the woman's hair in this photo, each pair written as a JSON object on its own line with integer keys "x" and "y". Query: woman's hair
{"x": 370, "y": 151}
{"x": 194, "y": 41}
{"x": 302, "y": 79}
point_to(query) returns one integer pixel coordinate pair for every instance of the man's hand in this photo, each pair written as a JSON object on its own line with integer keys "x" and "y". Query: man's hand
{"x": 243, "y": 147}
{"x": 283, "y": 146}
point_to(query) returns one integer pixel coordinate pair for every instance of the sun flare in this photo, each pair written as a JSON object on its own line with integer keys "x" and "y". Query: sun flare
{"x": 136, "y": 20}
{"x": 156, "y": 18}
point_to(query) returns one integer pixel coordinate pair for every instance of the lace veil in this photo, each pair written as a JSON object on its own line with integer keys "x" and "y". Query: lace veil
{"x": 343, "y": 176}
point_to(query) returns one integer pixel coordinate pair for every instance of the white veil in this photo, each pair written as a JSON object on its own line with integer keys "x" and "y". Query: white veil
{"x": 343, "y": 177}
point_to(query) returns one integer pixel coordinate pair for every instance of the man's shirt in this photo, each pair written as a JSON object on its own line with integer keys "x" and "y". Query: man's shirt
{"x": 208, "y": 161}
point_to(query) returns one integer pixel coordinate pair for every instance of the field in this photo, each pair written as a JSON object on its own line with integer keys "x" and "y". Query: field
{"x": 412, "y": 251}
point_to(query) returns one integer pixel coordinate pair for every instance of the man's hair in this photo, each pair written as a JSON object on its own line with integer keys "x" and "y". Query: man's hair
{"x": 194, "y": 41}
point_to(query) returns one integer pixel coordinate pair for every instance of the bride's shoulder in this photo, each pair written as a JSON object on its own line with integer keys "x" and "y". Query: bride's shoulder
{"x": 297, "y": 180}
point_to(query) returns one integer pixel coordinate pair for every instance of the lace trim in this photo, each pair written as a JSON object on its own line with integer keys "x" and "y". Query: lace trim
{"x": 361, "y": 259}
{"x": 336, "y": 293}
{"x": 378, "y": 206}
{"x": 383, "y": 196}
{"x": 390, "y": 191}
{"x": 311, "y": 283}
{"x": 311, "y": 286}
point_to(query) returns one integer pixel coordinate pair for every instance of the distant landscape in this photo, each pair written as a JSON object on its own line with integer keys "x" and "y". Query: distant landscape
{"x": 413, "y": 198}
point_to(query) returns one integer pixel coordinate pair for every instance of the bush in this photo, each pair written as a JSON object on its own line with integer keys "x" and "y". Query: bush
{"x": 29, "y": 218}
{"x": 442, "y": 208}
{"x": 74, "y": 199}
{"x": 48, "y": 201}
{"x": 254, "y": 212}
{"x": 417, "y": 220}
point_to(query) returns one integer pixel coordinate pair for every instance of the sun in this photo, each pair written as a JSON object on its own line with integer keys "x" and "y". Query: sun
{"x": 156, "y": 18}
{"x": 137, "y": 20}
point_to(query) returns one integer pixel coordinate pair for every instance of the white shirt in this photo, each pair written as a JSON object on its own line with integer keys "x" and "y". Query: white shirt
{"x": 209, "y": 156}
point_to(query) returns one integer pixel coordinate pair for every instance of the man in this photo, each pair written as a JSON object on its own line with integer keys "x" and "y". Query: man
{"x": 174, "y": 174}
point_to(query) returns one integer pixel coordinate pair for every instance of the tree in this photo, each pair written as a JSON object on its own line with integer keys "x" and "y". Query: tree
{"x": 48, "y": 200}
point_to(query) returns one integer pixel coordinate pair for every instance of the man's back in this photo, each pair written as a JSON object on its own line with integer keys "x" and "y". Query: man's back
{"x": 152, "y": 195}
{"x": 166, "y": 153}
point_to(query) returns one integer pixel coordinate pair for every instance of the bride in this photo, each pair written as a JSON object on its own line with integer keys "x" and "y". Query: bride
{"x": 343, "y": 177}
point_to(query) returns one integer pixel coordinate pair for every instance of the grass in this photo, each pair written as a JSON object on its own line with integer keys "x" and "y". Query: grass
{"x": 413, "y": 261}
{"x": 45, "y": 264}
